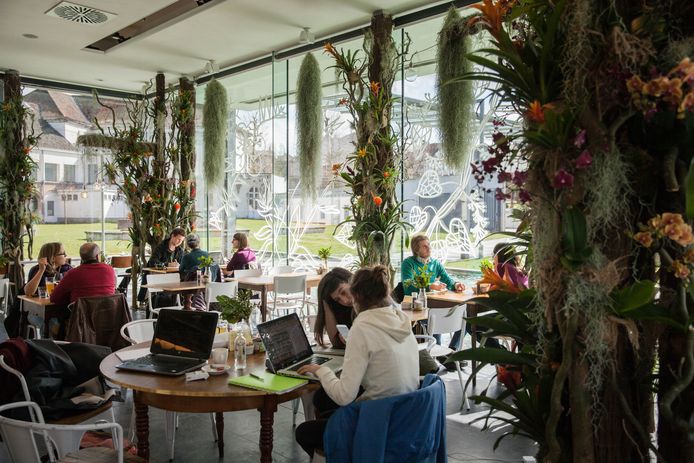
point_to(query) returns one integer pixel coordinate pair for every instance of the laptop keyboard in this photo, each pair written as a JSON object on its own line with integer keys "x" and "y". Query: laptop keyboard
{"x": 164, "y": 362}
{"x": 310, "y": 361}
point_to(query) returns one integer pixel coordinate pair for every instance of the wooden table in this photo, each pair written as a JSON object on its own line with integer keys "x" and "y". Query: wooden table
{"x": 211, "y": 395}
{"x": 37, "y": 306}
{"x": 160, "y": 270}
{"x": 265, "y": 283}
{"x": 187, "y": 288}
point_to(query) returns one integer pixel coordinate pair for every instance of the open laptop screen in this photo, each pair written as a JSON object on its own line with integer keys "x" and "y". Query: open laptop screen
{"x": 285, "y": 341}
{"x": 184, "y": 333}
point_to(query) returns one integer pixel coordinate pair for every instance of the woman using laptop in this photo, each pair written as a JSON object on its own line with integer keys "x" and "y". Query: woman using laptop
{"x": 335, "y": 307}
{"x": 381, "y": 356}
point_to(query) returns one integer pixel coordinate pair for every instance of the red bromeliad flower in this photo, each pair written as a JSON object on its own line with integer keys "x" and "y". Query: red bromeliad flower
{"x": 177, "y": 206}
{"x": 377, "y": 200}
{"x": 536, "y": 112}
{"x": 343, "y": 101}
{"x": 375, "y": 87}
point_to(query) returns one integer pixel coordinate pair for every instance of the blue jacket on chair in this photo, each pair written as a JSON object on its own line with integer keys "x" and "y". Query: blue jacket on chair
{"x": 405, "y": 428}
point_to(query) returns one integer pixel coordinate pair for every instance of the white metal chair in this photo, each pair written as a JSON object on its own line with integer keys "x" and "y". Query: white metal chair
{"x": 141, "y": 331}
{"x": 65, "y": 443}
{"x": 440, "y": 322}
{"x": 251, "y": 272}
{"x": 282, "y": 269}
{"x": 289, "y": 294}
{"x": 5, "y": 295}
{"x": 220, "y": 289}
{"x": 20, "y": 436}
{"x": 153, "y": 279}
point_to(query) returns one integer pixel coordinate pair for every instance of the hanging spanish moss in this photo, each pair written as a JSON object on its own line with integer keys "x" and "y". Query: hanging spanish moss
{"x": 309, "y": 124}
{"x": 456, "y": 100}
{"x": 214, "y": 121}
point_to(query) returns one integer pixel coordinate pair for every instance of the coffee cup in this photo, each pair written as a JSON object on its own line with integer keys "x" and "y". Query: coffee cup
{"x": 219, "y": 357}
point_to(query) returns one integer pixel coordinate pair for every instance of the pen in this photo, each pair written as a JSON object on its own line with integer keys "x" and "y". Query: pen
{"x": 259, "y": 378}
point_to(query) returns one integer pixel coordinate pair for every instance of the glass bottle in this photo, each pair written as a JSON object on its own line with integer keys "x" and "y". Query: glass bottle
{"x": 422, "y": 298}
{"x": 240, "y": 351}
{"x": 254, "y": 319}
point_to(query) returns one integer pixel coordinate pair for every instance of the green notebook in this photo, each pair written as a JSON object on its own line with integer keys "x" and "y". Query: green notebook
{"x": 270, "y": 383}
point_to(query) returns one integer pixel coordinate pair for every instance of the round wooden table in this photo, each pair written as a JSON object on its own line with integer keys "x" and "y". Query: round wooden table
{"x": 212, "y": 395}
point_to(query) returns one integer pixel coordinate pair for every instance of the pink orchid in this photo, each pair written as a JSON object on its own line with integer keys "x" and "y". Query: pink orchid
{"x": 584, "y": 160}
{"x": 562, "y": 179}
{"x": 580, "y": 139}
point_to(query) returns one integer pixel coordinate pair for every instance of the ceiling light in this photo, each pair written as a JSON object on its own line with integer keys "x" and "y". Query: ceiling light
{"x": 30, "y": 36}
{"x": 306, "y": 36}
{"x": 411, "y": 73}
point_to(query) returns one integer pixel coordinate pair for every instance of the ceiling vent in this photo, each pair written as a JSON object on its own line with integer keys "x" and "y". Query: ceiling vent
{"x": 79, "y": 13}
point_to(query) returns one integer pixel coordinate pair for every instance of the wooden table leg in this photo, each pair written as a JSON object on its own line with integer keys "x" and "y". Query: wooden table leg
{"x": 267, "y": 416}
{"x": 219, "y": 421}
{"x": 263, "y": 303}
{"x": 142, "y": 427}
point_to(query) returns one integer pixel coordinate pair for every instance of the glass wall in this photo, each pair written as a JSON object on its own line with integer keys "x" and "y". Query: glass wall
{"x": 261, "y": 193}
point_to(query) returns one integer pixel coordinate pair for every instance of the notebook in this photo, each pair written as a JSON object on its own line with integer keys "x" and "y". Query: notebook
{"x": 182, "y": 342}
{"x": 270, "y": 383}
{"x": 288, "y": 348}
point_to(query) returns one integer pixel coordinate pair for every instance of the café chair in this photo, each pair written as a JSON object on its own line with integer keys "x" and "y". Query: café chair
{"x": 289, "y": 294}
{"x": 98, "y": 319}
{"x": 440, "y": 322}
{"x": 20, "y": 437}
{"x": 282, "y": 269}
{"x": 139, "y": 331}
{"x": 383, "y": 430}
{"x": 251, "y": 272}
{"x": 220, "y": 289}
{"x": 160, "y": 279}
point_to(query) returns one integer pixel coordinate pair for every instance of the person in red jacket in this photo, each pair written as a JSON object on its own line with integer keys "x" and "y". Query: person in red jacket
{"x": 91, "y": 278}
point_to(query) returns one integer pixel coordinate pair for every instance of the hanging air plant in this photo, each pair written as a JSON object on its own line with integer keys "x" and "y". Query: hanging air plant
{"x": 309, "y": 124}
{"x": 456, "y": 100}
{"x": 214, "y": 121}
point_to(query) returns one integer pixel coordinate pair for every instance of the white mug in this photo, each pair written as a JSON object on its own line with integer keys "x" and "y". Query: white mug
{"x": 219, "y": 357}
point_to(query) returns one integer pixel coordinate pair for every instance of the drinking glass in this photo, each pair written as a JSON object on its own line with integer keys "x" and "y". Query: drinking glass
{"x": 50, "y": 285}
{"x": 42, "y": 292}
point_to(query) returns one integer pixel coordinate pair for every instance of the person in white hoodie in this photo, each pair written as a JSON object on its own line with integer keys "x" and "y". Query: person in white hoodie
{"x": 381, "y": 354}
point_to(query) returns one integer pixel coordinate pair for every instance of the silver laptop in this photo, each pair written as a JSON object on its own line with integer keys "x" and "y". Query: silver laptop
{"x": 288, "y": 348}
{"x": 182, "y": 342}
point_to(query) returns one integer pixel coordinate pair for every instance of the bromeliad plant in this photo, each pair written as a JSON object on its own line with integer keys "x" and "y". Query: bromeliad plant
{"x": 371, "y": 173}
{"x": 421, "y": 278}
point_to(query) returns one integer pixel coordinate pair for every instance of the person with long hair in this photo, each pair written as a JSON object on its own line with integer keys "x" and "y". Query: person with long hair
{"x": 335, "y": 307}
{"x": 243, "y": 255}
{"x": 381, "y": 356}
{"x": 52, "y": 261}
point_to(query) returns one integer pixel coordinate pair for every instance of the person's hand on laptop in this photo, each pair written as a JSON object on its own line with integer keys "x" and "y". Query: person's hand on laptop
{"x": 308, "y": 369}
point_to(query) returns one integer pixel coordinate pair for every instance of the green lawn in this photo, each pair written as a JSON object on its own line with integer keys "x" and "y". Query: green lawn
{"x": 72, "y": 236}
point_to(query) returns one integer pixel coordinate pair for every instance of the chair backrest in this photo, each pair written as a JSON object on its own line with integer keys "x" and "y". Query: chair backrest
{"x": 18, "y": 374}
{"x": 290, "y": 284}
{"x": 121, "y": 261}
{"x": 440, "y": 322}
{"x": 3, "y": 286}
{"x": 253, "y": 272}
{"x": 383, "y": 429}
{"x": 98, "y": 320}
{"x": 159, "y": 278}
{"x": 220, "y": 289}
{"x": 282, "y": 269}
{"x": 138, "y": 331}
{"x": 20, "y": 436}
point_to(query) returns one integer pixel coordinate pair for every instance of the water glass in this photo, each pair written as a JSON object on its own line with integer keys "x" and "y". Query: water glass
{"x": 219, "y": 357}
{"x": 43, "y": 294}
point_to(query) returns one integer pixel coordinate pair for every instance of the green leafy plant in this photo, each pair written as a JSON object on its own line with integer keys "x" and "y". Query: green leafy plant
{"x": 486, "y": 264}
{"x": 235, "y": 309}
{"x": 325, "y": 253}
{"x": 214, "y": 122}
{"x": 421, "y": 278}
{"x": 205, "y": 261}
{"x": 309, "y": 124}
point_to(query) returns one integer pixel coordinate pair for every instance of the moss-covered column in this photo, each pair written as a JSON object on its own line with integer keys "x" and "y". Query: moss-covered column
{"x": 186, "y": 148}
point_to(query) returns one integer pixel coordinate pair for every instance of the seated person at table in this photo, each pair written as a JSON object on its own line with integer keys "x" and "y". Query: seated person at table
{"x": 334, "y": 307}
{"x": 52, "y": 263}
{"x": 506, "y": 263}
{"x": 169, "y": 251}
{"x": 381, "y": 355}
{"x": 91, "y": 278}
{"x": 191, "y": 261}
{"x": 421, "y": 257}
{"x": 242, "y": 256}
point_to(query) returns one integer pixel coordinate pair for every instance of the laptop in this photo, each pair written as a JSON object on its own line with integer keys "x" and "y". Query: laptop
{"x": 288, "y": 348}
{"x": 182, "y": 342}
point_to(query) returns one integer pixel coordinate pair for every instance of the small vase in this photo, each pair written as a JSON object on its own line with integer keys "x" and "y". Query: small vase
{"x": 422, "y": 297}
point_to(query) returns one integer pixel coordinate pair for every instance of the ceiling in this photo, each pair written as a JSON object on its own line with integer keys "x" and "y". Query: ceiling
{"x": 230, "y": 32}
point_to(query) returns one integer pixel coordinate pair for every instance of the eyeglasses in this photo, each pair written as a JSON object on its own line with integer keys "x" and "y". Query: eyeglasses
{"x": 64, "y": 254}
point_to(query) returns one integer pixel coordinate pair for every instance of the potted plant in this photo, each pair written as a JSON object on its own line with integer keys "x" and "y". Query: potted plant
{"x": 204, "y": 264}
{"x": 324, "y": 254}
{"x": 236, "y": 309}
{"x": 420, "y": 280}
